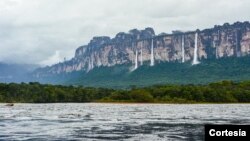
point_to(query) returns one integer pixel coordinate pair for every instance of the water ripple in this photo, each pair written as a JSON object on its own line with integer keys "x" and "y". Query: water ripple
{"x": 130, "y": 122}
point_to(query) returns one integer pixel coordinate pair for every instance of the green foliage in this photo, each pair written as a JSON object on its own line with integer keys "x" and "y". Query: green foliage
{"x": 219, "y": 92}
{"x": 141, "y": 95}
{"x": 119, "y": 76}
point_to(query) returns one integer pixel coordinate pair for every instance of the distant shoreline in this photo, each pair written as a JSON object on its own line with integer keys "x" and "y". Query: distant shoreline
{"x": 214, "y": 93}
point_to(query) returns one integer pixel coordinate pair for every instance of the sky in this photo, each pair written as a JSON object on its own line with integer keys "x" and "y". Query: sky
{"x": 45, "y": 32}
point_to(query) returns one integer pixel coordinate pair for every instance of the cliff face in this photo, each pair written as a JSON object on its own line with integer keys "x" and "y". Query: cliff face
{"x": 136, "y": 47}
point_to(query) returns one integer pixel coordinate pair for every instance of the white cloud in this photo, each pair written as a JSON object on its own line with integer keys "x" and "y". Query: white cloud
{"x": 34, "y": 30}
{"x": 55, "y": 58}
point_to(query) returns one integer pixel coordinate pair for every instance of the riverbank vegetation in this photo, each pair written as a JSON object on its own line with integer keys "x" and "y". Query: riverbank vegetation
{"x": 217, "y": 92}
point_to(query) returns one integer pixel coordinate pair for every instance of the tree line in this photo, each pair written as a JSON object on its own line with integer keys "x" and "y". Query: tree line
{"x": 217, "y": 92}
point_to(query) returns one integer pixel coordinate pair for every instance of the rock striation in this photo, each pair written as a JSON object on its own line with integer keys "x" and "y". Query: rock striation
{"x": 135, "y": 48}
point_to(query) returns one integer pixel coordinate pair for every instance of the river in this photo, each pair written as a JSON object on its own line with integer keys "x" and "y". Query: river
{"x": 96, "y": 121}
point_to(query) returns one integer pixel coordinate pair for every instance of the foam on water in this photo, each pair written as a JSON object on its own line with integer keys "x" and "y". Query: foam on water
{"x": 94, "y": 121}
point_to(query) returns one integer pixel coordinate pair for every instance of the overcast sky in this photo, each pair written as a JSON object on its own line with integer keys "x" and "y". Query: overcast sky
{"x": 45, "y": 31}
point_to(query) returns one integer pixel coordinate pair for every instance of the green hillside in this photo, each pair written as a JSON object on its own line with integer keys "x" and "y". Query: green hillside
{"x": 235, "y": 69}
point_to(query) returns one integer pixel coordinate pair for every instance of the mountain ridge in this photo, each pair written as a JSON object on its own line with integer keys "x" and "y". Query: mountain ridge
{"x": 16, "y": 72}
{"x": 135, "y": 47}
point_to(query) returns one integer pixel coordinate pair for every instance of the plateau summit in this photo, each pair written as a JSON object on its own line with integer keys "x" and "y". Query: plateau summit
{"x": 143, "y": 47}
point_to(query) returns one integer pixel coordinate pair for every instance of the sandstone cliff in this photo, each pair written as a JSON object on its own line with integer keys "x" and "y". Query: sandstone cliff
{"x": 140, "y": 47}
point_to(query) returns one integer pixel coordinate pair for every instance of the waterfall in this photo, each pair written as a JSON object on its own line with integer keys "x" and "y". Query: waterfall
{"x": 217, "y": 46}
{"x": 236, "y": 44}
{"x": 195, "y": 60}
{"x": 214, "y": 45}
{"x": 141, "y": 57}
{"x": 89, "y": 65}
{"x": 152, "y": 54}
{"x": 136, "y": 59}
{"x": 238, "y": 52}
{"x": 182, "y": 49}
{"x": 92, "y": 62}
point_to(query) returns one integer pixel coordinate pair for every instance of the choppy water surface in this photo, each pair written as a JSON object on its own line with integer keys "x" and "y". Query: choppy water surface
{"x": 94, "y": 121}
